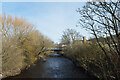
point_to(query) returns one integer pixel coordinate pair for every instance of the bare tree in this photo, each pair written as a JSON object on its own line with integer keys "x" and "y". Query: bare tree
{"x": 69, "y": 36}
{"x": 102, "y": 20}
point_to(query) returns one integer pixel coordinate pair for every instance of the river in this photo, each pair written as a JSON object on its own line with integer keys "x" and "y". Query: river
{"x": 56, "y": 66}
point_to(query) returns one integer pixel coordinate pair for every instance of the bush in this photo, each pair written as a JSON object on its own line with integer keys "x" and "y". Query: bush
{"x": 92, "y": 59}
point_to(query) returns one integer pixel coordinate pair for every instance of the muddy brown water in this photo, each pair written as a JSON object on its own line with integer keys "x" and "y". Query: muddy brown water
{"x": 56, "y": 66}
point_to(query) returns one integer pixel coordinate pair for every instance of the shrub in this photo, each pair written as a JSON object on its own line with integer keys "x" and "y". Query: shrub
{"x": 93, "y": 60}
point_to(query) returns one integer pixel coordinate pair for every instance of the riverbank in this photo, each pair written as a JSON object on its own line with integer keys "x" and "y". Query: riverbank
{"x": 77, "y": 64}
{"x": 21, "y": 71}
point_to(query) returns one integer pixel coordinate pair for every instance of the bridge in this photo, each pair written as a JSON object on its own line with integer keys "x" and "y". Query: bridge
{"x": 54, "y": 49}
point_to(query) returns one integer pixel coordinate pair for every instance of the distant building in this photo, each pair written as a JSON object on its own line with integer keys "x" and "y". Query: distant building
{"x": 75, "y": 42}
{"x": 82, "y": 41}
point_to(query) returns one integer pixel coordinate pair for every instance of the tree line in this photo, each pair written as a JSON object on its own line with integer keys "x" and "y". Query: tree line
{"x": 22, "y": 44}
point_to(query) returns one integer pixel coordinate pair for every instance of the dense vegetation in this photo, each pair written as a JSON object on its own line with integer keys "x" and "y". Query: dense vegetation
{"x": 22, "y": 44}
{"x": 93, "y": 60}
{"x": 100, "y": 55}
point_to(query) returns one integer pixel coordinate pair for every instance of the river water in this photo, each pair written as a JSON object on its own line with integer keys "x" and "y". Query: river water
{"x": 56, "y": 66}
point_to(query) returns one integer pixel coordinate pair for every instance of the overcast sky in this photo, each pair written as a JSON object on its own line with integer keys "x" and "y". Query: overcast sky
{"x": 50, "y": 18}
